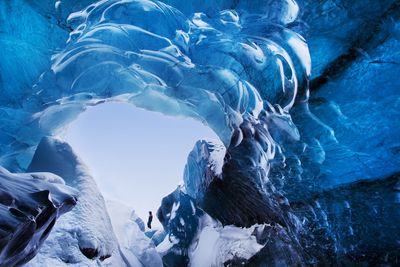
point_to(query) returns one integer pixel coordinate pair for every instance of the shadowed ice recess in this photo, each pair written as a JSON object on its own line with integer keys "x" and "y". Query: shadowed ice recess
{"x": 308, "y": 163}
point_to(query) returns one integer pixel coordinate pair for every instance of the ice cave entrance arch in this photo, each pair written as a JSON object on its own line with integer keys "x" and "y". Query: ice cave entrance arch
{"x": 136, "y": 156}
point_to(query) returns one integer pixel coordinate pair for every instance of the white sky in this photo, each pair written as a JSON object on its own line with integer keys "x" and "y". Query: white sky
{"x": 136, "y": 156}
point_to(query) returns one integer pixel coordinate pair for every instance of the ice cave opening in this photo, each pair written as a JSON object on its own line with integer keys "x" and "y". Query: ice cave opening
{"x": 309, "y": 171}
{"x": 133, "y": 153}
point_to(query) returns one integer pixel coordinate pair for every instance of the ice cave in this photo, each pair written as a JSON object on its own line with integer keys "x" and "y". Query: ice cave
{"x": 145, "y": 152}
{"x": 304, "y": 97}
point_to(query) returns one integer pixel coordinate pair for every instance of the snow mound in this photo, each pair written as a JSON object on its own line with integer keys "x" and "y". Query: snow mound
{"x": 133, "y": 242}
{"x": 85, "y": 236}
{"x": 216, "y": 245}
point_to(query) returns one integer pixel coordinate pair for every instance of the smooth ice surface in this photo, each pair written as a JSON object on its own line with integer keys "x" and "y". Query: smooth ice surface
{"x": 132, "y": 240}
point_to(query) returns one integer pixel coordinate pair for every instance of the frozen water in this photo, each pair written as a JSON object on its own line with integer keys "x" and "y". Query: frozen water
{"x": 30, "y": 204}
{"x": 243, "y": 70}
{"x": 167, "y": 66}
{"x": 85, "y": 235}
{"x": 132, "y": 240}
{"x": 216, "y": 245}
{"x": 203, "y": 165}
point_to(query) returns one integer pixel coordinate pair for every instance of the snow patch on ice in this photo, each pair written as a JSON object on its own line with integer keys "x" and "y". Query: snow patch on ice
{"x": 134, "y": 244}
{"x": 175, "y": 207}
{"x": 216, "y": 244}
{"x": 216, "y": 156}
{"x": 87, "y": 226}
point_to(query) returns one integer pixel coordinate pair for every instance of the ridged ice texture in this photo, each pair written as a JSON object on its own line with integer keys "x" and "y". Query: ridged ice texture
{"x": 241, "y": 68}
{"x": 220, "y": 68}
{"x": 85, "y": 235}
{"x": 212, "y": 67}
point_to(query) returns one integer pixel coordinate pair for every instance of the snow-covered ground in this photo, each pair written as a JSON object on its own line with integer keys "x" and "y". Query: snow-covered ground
{"x": 108, "y": 233}
{"x": 112, "y": 233}
{"x": 133, "y": 242}
{"x": 215, "y": 244}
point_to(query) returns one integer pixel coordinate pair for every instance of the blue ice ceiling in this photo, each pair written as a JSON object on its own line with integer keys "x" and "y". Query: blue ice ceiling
{"x": 304, "y": 96}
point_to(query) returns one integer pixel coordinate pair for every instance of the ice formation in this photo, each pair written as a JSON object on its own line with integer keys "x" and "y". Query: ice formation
{"x": 85, "y": 234}
{"x": 309, "y": 163}
{"x": 30, "y": 205}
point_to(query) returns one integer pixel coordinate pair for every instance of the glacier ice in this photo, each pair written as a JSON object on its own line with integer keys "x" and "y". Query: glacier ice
{"x": 85, "y": 234}
{"x": 167, "y": 66}
{"x": 204, "y": 164}
{"x": 96, "y": 232}
{"x": 219, "y": 242}
{"x": 131, "y": 237}
{"x": 30, "y": 205}
{"x": 180, "y": 218}
{"x": 194, "y": 238}
{"x": 310, "y": 153}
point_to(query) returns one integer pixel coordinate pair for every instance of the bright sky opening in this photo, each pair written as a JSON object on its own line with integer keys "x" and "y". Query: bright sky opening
{"x": 136, "y": 156}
